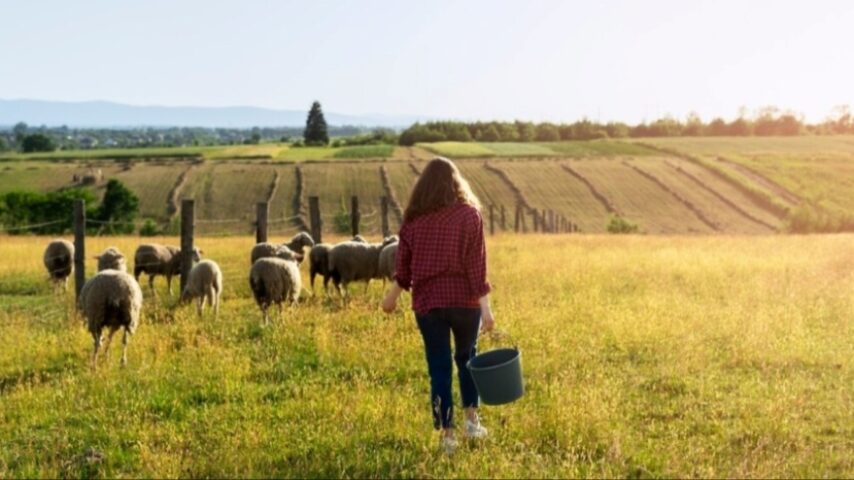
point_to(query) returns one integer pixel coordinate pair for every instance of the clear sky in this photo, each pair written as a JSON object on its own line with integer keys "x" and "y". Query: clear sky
{"x": 528, "y": 59}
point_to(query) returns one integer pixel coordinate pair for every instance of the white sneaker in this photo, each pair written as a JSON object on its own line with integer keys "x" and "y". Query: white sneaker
{"x": 449, "y": 445}
{"x": 475, "y": 430}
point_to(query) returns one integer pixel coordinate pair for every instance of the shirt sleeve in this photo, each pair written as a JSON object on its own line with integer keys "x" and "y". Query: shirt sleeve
{"x": 402, "y": 261}
{"x": 475, "y": 257}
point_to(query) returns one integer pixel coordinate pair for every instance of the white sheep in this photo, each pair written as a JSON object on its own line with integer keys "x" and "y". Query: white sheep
{"x": 354, "y": 261}
{"x": 111, "y": 300}
{"x": 274, "y": 280}
{"x": 111, "y": 259}
{"x": 59, "y": 262}
{"x": 388, "y": 255}
{"x": 155, "y": 259}
{"x": 267, "y": 250}
{"x": 204, "y": 283}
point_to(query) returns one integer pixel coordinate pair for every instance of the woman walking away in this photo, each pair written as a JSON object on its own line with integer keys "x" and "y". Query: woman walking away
{"x": 441, "y": 256}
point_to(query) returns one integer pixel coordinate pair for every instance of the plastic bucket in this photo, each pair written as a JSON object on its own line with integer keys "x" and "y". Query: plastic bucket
{"x": 497, "y": 375}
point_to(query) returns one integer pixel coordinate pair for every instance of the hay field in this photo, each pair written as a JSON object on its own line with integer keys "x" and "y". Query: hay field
{"x": 717, "y": 356}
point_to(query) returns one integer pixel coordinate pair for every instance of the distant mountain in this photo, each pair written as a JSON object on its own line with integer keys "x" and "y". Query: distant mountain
{"x": 110, "y": 114}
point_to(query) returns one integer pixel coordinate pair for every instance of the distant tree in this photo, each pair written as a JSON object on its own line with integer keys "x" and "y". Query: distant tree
{"x": 617, "y": 130}
{"x": 37, "y": 142}
{"x": 119, "y": 208}
{"x": 316, "y": 131}
{"x": 693, "y": 125}
{"x": 716, "y": 128}
{"x": 488, "y": 134}
{"x": 547, "y": 132}
{"x": 2, "y": 145}
{"x": 739, "y": 127}
{"x": 20, "y": 131}
{"x": 526, "y": 131}
{"x": 507, "y": 132}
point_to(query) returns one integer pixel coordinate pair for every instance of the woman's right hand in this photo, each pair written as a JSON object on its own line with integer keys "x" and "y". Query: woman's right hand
{"x": 487, "y": 321}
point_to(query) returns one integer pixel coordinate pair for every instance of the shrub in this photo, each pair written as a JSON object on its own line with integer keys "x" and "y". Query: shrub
{"x": 620, "y": 225}
{"x": 341, "y": 221}
{"x": 148, "y": 229}
{"x": 37, "y": 142}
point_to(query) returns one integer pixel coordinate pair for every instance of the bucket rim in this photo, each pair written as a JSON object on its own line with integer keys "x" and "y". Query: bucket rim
{"x": 491, "y": 367}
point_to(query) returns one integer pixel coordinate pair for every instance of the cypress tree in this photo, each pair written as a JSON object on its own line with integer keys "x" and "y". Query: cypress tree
{"x": 315, "y": 127}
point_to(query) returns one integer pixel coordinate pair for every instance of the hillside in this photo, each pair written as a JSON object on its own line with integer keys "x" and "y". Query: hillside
{"x": 665, "y": 186}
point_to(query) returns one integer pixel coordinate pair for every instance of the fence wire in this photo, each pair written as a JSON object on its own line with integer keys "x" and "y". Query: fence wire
{"x": 27, "y": 227}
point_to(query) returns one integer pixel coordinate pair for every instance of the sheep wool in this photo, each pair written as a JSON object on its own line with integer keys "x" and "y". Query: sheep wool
{"x": 111, "y": 300}
{"x": 204, "y": 284}
{"x": 155, "y": 259}
{"x": 274, "y": 280}
{"x": 59, "y": 261}
{"x": 111, "y": 259}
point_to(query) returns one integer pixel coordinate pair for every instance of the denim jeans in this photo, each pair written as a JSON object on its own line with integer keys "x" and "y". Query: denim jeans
{"x": 436, "y": 327}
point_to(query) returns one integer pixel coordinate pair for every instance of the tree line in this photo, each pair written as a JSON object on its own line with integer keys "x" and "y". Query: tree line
{"x": 769, "y": 121}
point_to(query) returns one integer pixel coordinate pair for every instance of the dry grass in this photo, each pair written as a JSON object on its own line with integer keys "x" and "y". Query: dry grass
{"x": 643, "y": 356}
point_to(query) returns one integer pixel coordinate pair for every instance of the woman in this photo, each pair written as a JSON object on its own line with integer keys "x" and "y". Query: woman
{"x": 441, "y": 257}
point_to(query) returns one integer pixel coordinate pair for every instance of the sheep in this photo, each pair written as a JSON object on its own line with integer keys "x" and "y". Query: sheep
{"x": 274, "y": 280}
{"x": 155, "y": 259}
{"x": 358, "y": 238}
{"x": 59, "y": 261}
{"x": 353, "y": 261}
{"x": 265, "y": 249}
{"x": 111, "y": 259}
{"x": 111, "y": 300}
{"x": 204, "y": 283}
{"x": 388, "y": 255}
{"x": 298, "y": 243}
{"x": 318, "y": 263}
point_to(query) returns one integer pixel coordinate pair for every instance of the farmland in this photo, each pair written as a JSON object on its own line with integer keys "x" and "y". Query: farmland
{"x": 713, "y": 356}
{"x": 665, "y": 186}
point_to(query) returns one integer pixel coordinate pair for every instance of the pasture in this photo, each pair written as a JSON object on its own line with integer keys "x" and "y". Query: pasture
{"x": 716, "y": 356}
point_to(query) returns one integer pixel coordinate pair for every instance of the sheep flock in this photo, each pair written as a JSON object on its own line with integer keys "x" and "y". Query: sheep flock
{"x": 112, "y": 299}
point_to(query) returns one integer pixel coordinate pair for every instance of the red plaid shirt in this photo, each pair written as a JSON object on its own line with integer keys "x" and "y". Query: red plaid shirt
{"x": 442, "y": 258}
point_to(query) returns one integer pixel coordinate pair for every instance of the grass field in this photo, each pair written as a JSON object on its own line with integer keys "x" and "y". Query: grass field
{"x": 574, "y": 149}
{"x": 818, "y": 169}
{"x": 643, "y": 356}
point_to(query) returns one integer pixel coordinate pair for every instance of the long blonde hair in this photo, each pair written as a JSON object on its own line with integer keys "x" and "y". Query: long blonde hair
{"x": 440, "y": 185}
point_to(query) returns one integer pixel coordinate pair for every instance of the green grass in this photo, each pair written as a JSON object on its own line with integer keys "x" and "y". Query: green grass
{"x": 592, "y": 148}
{"x": 457, "y": 149}
{"x": 307, "y": 153}
{"x": 365, "y": 151}
{"x": 643, "y": 357}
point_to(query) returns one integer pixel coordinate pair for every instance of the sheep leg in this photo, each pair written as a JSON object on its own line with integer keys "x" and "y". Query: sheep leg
{"x": 367, "y": 283}
{"x": 151, "y": 284}
{"x": 200, "y": 305}
{"x": 266, "y": 314}
{"x": 216, "y": 305}
{"x": 65, "y": 285}
{"x": 109, "y": 342}
{"x": 169, "y": 282}
{"x": 97, "y": 337}
{"x": 125, "y": 348}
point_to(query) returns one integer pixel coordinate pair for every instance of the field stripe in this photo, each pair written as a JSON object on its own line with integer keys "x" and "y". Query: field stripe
{"x": 764, "y": 181}
{"x": 172, "y": 200}
{"x": 679, "y": 198}
{"x": 722, "y": 198}
{"x": 389, "y": 193}
{"x": 759, "y": 199}
{"x": 598, "y": 195}
{"x": 520, "y": 196}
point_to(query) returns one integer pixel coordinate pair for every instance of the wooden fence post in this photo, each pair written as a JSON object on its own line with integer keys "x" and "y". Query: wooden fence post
{"x": 543, "y": 221}
{"x": 384, "y": 213}
{"x": 187, "y": 224}
{"x": 536, "y": 219}
{"x": 491, "y": 219}
{"x": 552, "y": 228}
{"x": 79, "y": 246}
{"x": 517, "y": 220}
{"x": 355, "y": 216}
{"x": 261, "y": 211}
{"x": 314, "y": 219}
{"x": 503, "y": 219}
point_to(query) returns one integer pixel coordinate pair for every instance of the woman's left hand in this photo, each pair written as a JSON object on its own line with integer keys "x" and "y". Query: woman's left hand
{"x": 389, "y": 304}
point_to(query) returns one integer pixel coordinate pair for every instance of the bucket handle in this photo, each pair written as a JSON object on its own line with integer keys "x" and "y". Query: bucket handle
{"x": 497, "y": 335}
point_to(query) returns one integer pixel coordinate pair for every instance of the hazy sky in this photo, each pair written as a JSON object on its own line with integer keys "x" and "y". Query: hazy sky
{"x": 529, "y": 59}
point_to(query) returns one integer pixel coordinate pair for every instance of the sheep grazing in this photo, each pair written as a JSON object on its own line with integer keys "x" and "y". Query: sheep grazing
{"x": 266, "y": 250}
{"x": 388, "y": 255}
{"x": 59, "y": 262}
{"x": 274, "y": 280}
{"x": 318, "y": 263}
{"x": 298, "y": 243}
{"x": 353, "y": 261}
{"x": 111, "y": 300}
{"x": 204, "y": 283}
{"x": 154, "y": 259}
{"x": 111, "y": 259}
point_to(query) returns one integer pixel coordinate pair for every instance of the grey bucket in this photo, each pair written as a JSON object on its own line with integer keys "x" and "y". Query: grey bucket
{"x": 497, "y": 375}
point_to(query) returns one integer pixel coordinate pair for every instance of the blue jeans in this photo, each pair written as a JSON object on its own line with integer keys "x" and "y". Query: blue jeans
{"x": 436, "y": 327}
